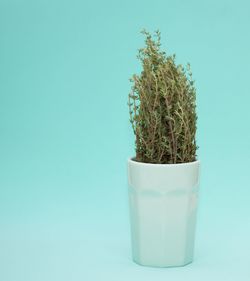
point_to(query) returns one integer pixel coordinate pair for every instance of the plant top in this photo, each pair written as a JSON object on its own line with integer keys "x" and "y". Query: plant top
{"x": 162, "y": 107}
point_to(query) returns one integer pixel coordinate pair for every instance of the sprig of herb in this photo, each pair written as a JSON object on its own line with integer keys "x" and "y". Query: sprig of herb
{"x": 162, "y": 107}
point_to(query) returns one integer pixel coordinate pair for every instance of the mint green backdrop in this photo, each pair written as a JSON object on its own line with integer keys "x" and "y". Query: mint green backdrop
{"x": 65, "y": 135}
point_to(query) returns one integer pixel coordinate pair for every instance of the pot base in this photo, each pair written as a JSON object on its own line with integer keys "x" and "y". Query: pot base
{"x": 162, "y": 266}
{"x": 163, "y": 227}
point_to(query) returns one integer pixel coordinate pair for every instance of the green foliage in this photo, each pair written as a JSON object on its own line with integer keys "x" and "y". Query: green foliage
{"x": 162, "y": 107}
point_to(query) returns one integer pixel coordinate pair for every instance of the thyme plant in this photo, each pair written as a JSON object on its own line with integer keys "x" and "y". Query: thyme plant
{"x": 162, "y": 107}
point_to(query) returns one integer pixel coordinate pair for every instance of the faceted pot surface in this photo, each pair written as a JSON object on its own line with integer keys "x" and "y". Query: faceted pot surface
{"x": 163, "y": 205}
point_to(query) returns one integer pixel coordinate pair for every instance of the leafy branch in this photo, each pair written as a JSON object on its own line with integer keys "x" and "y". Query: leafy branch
{"x": 162, "y": 107}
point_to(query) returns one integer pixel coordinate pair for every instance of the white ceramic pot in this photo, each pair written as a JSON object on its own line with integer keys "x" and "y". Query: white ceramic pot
{"x": 163, "y": 204}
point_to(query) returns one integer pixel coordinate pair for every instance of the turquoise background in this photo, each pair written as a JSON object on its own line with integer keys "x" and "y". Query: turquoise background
{"x": 65, "y": 135}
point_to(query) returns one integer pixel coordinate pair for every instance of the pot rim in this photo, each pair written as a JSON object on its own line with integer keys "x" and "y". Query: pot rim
{"x": 134, "y": 162}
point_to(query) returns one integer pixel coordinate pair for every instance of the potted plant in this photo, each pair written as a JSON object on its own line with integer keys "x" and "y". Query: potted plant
{"x": 163, "y": 176}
